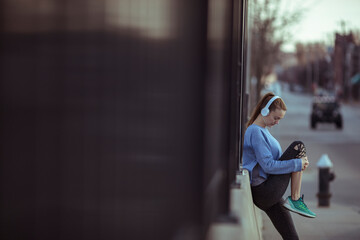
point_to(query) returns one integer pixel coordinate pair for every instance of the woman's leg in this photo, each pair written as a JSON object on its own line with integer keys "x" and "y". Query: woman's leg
{"x": 282, "y": 221}
{"x": 268, "y": 195}
{"x": 295, "y": 150}
{"x": 296, "y": 185}
{"x": 271, "y": 191}
{"x": 296, "y": 203}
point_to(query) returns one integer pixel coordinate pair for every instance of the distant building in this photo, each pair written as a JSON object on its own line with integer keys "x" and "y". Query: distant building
{"x": 346, "y": 66}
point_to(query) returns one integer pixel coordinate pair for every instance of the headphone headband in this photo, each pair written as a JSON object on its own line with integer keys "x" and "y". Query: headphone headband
{"x": 265, "y": 111}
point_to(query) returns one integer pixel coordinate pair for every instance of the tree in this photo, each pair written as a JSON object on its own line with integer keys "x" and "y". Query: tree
{"x": 269, "y": 29}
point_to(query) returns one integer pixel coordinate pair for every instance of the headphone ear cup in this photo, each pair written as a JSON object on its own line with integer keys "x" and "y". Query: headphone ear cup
{"x": 264, "y": 111}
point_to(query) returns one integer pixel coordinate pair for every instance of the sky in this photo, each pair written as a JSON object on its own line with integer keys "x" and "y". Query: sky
{"x": 322, "y": 18}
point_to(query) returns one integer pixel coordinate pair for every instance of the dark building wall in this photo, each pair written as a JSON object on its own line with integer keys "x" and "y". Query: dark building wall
{"x": 114, "y": 124}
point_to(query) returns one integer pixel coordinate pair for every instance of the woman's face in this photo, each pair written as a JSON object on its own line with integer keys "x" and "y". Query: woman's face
{"x": 274, "y": 117}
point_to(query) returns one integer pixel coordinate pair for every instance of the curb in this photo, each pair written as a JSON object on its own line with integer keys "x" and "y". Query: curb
{"x": 249, "y": 225}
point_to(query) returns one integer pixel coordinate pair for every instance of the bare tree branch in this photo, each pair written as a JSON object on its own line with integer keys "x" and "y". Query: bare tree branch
{"x": 271, "y": 28}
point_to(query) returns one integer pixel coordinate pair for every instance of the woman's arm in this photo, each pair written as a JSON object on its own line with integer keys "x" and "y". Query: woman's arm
{"x": 266, "y": 160}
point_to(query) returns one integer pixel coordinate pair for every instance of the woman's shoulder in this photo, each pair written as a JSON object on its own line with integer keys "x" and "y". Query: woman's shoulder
{"x": 255, "y": 128}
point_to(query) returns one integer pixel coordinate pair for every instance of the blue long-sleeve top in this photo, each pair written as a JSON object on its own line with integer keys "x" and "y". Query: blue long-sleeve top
{"x": 260, "y": 147}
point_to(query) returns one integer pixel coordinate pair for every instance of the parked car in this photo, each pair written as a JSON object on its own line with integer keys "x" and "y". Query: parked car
{"x": 326, "y": 108}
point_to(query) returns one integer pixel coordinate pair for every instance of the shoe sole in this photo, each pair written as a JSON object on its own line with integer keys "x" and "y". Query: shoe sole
{"x": 288, "y": 207}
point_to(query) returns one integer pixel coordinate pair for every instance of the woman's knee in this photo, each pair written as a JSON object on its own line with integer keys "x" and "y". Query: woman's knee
{"x": 298, "y": 143}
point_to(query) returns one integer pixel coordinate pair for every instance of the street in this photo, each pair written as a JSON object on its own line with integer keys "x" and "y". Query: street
{"x": 341, "y": 219}
{"x": 342, "y": 147}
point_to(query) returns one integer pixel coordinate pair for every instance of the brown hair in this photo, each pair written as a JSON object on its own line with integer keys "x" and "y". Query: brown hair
{"x": 278, "y": 103}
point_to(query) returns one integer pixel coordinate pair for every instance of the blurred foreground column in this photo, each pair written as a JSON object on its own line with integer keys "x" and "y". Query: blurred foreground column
{"x": 114, "y": 118}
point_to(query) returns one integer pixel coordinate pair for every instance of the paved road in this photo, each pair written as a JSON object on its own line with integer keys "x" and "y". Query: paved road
{"x": 342, "y": 147}
{"x": 342, "y": 219}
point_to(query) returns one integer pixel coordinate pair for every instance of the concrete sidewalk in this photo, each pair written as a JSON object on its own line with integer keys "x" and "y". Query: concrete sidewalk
{"x": 337, "y": 222}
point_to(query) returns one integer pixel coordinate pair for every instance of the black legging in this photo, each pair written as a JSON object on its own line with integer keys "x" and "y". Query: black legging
{"x": 268, "y": 195}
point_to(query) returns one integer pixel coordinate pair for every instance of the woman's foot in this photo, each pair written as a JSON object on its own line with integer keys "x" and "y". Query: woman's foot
{"x": 299, "y": 207}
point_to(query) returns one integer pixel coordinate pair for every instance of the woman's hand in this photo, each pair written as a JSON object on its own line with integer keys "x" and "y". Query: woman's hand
{"x": 305, "y": 163}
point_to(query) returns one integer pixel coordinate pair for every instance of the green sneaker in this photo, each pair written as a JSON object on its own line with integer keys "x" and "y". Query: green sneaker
{"x": 299, "y": 207}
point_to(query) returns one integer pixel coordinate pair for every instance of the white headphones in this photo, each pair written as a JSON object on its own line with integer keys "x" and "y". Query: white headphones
{"x": 265, "y": 111}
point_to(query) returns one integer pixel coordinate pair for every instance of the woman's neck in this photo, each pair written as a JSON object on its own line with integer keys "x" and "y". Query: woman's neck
{"x": 260, "y": 121}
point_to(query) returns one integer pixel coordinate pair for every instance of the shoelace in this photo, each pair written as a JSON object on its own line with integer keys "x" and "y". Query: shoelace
{"x": 302, "y": 200}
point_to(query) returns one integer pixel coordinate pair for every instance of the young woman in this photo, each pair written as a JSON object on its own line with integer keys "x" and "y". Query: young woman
{"x": 270, "y": 170}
